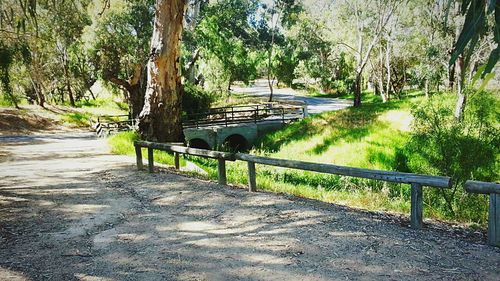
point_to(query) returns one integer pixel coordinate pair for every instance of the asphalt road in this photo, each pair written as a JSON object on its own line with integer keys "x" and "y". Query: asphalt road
{"x": 314, "y": 105}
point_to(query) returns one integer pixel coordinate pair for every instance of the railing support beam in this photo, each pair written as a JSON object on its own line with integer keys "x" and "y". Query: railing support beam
{"x": 151, "y": 161}
{"x": 416, "y": 206}
{"x": 494, "y": 220}
{"x": 221, "y": 171}
{"x": 177, "y": 161}
{"x": 252, "y": 183}
{"x": 138, "y": 157}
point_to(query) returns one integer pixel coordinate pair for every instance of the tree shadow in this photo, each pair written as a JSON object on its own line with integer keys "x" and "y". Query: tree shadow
{"x": 121, "y": 224}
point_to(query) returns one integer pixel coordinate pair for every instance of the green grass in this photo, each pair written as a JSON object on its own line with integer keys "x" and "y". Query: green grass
{"x": 91, "y": 109}
{"x": 123, "y": 143}
{"x": 372, "y": 134}
{"x": 79, "y": 119}
{"x": 367, "y": 137}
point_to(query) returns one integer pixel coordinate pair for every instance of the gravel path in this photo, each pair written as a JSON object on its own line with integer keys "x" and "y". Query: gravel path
{"x": 71, "y": 211}
{"x": 314, "y": 105}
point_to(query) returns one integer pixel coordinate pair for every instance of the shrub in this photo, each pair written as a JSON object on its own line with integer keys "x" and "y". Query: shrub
{"x": 195, "y": 99}
{"x": 462, "y": 150}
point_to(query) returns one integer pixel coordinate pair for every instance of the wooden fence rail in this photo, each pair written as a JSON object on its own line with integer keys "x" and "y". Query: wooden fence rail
{"x": 493, "y": 189}
{"x": 417, "y": 181}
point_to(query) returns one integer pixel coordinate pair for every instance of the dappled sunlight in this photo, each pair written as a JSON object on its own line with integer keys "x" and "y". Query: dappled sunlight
{"x": 12, "y": 275}
{"x": 79, "y": 209}
{"x": 89, "y": 277}
{"x": 400, "y": 120}
{"x": 112, "y": 222}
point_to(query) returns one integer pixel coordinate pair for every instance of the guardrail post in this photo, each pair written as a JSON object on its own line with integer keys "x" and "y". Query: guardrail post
{"x": 252, "y": 184}
{"x": 138, "y": 156}
{"x": 177, "y": 161}
{"x": 417, "y": 204}
{"x": 494, "y": 220}
{"x": 151, "y": 160}
{"x": 221, "y": 171}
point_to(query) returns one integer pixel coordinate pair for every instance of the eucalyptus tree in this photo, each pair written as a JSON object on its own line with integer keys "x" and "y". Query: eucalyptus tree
{"x": 228, "y": 33}
{"x": 278, "y": 13}
{"x": 476, "y": 27}
{"x": 120, "y": 47}
{"x": 44, "y": 31}
{"x": 160, "y": 118}
{"x": 368, "y": 19}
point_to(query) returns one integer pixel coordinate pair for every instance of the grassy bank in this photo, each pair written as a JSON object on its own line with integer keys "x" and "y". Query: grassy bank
{"x": 372, "y": 136}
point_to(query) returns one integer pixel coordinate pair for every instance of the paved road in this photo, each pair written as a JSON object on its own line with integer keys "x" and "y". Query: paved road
{"x": 71, "y": 211}
{"x": 314, "y": 105}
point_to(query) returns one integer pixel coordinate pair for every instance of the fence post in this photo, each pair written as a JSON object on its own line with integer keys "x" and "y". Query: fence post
{"x": 252, "y": 185}
{"x": 177, "y": 160}
{"x": 138, "y": 156}
{"x": 494, "y": 220}
{"x": 151, "y": 161}
{"x": 416, "y": 206}
{"x": 221, "y": 171}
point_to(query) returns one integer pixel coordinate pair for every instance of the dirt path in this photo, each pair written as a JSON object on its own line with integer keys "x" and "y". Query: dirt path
{"x": 71, "y": 211}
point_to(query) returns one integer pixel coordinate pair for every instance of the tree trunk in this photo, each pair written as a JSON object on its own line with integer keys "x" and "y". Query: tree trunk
{"x": 91, "y": 93}
{"x": 357, "y": 90}
{"x": 270, "y": 62}
{"x": 461, "y": 95}
{"x": 426, "y": 87}
{"x": 388, "y": 66}
{"x": 70, "y": 94}
{"x": 191, "y": 67}
{"x": 136, "y": 100}
{"x": 380, "y": 79}
{"x": 40, "y": 96}
{"x": 160, "y": 119}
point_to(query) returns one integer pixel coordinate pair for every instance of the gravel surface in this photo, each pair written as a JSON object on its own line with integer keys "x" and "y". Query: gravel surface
{"x": 71, "y": 211}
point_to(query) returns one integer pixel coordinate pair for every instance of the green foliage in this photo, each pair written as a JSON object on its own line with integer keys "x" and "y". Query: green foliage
{"x": 285, "y": 62}
{"x": 121, "y": 39}
{"x": 441, "y": 145}
{"x": 227, "y": 34}
{"x": 379, "y": 135}
{"x": 475, "y": 26}
{"x": 195, "y": 99}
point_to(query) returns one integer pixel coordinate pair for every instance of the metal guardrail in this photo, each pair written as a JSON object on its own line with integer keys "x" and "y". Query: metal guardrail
{"x": 417, "y": 181}
{"x": 493, "y": 189}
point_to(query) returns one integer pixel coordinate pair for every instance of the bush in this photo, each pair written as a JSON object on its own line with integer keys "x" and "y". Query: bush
{"x": 441, "y": 145}
{"x": 195, "y": 99}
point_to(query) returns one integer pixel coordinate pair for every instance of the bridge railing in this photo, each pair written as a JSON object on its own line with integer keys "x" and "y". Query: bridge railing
{"x": 243, "y": 114}
{"x": 106, "y": 124}
{"x": 417, "y": 181}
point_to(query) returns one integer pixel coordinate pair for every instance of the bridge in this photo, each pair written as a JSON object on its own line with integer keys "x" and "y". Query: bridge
{"x": 236, "y": 128}
{"x": 233, "y": 128}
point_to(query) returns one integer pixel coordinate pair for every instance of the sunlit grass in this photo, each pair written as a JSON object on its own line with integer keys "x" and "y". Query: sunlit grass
{"x": 364, "y": 137}
{"x": 367, "y": 137}
{"x": 123, "y": 143}
{"x": 79, "y": 119}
